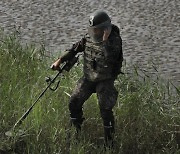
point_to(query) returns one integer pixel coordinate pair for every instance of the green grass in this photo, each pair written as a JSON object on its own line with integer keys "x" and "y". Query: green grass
{"x": 147, "y": 111}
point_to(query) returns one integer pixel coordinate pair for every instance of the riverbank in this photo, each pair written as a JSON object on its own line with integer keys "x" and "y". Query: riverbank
{"x": 149, "y": 28}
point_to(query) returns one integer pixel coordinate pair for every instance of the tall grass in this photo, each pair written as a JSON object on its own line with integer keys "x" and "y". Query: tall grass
{"x": 147, "y": 111}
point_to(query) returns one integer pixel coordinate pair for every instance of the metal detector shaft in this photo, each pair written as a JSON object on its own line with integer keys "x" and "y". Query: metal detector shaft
{"x": 67, "y": 66}
{"x": 28, "y": 111}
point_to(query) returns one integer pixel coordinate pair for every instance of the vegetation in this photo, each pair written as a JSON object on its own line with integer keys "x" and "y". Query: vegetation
{"x": 147, "y": 111}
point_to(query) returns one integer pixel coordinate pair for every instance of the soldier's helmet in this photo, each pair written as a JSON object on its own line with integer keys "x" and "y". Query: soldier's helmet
{"x": 98, "y": 22}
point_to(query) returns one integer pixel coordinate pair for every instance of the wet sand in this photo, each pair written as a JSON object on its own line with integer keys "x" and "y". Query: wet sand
{"x": 149, "y": 28}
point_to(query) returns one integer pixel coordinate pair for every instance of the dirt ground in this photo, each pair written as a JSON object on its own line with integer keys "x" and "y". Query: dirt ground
{"x": 149, "y": 28}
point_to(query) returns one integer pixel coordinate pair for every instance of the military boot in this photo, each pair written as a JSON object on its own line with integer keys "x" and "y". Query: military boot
{"x": 109, "y": 136}
{"x": 108, "y": 122}
{"x": 76, "y": 119}
{"x": 77, "y": 123}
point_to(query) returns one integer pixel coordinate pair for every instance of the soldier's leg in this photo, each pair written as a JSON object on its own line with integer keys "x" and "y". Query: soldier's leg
{"x": 107, "y": 96}
{"x": 81, "y": 93}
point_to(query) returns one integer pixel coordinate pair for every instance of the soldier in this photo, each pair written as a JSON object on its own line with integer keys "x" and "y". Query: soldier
{"x": 102, "y": 48}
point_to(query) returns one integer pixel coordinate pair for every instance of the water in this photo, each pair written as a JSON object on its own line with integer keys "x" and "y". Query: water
{"x": 149, "y": 28}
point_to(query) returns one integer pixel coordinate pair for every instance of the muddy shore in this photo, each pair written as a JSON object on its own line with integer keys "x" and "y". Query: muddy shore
{"x": 149, "y": 28}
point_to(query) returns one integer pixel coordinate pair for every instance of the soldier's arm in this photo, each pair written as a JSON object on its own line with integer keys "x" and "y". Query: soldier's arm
{"x": 113, "y": 54}
{"x": 78, "y": 47}
{"x": 113, "y": 50}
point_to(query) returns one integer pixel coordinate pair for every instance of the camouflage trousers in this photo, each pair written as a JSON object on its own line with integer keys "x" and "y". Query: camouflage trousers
{"x": 106, "y": 94}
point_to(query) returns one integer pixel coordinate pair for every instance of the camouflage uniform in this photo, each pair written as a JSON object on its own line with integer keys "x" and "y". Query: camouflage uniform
{"x": 102, "y": 64}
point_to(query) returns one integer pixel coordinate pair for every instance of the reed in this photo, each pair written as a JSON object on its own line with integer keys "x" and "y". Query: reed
{"x": 147, "y": 111}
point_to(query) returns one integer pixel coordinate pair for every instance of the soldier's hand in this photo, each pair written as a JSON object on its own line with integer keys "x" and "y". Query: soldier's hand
{"x": 107, "y": 32}
{"x": 55, "y": 65}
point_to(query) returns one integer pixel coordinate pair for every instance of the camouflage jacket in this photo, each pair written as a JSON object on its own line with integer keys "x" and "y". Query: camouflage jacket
{"x": 101, "y": 60}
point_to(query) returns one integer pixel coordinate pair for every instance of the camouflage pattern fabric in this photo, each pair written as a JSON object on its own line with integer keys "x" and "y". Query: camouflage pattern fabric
{"x": 103, "y": 60}
{"x": 102, "y": 64}
{"x": 106, "y": 94}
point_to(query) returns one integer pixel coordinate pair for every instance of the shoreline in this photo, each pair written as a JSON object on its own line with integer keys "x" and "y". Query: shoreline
{"x": 149, "y": 29}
